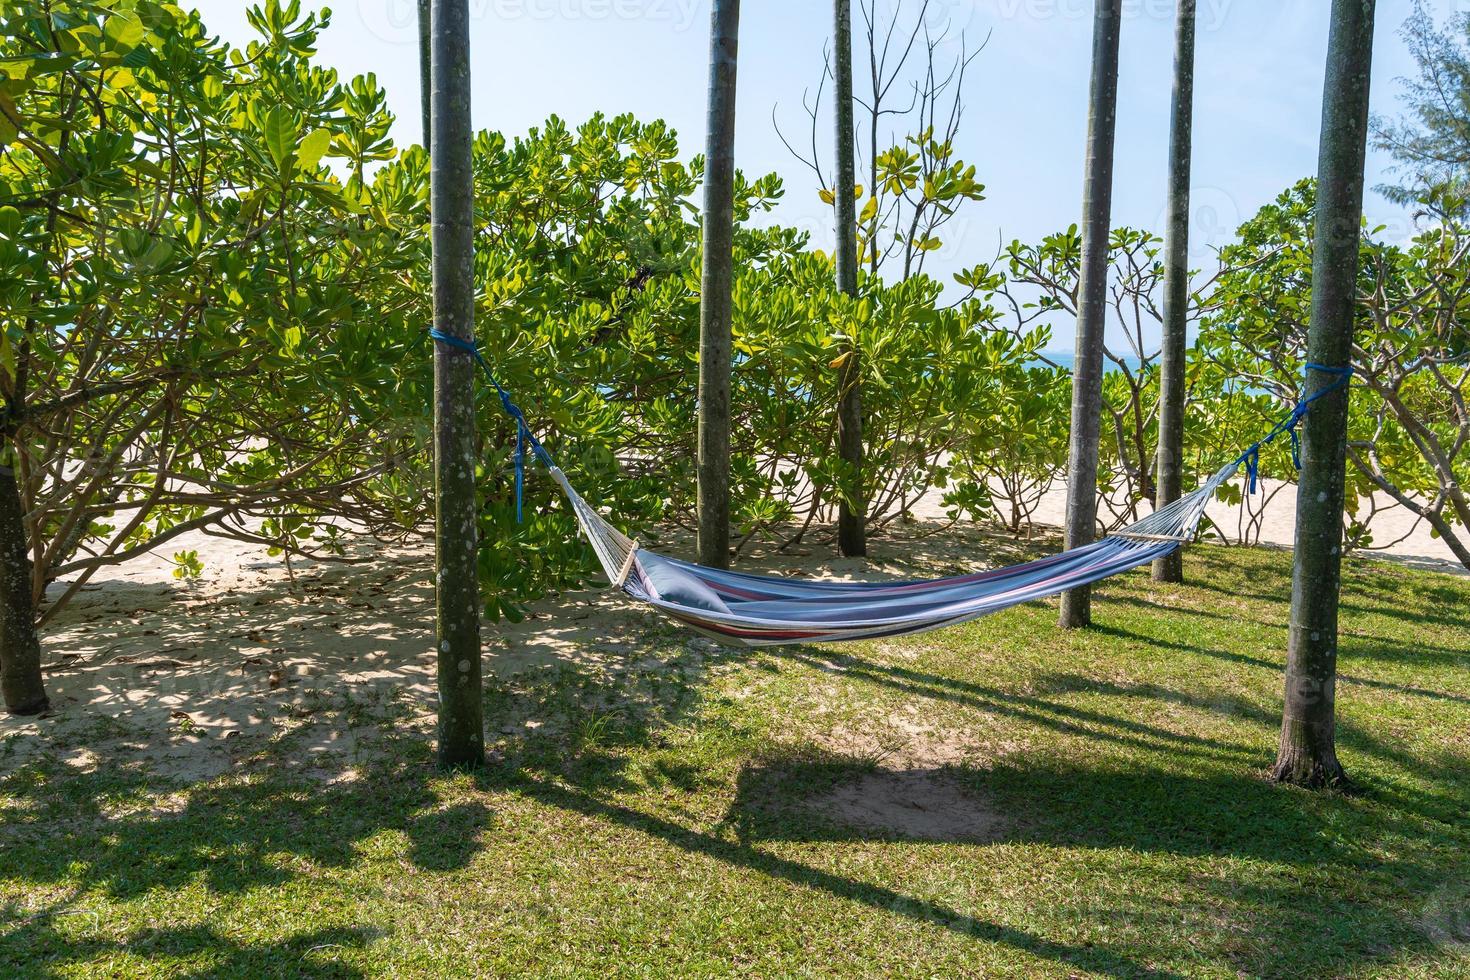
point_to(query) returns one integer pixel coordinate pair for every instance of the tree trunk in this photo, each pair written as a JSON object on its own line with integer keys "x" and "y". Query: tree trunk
{"x": 852, "y": 505}
{"x": 21, "y": 685}
{"x": 1169, "y": 483}
{"x": 715, "y": 284}
{"x": 426, "y": 81}
{"x": 1087, "y": 367}
{"x": 1307, "y": 754}
{"x": 456, "y": 581}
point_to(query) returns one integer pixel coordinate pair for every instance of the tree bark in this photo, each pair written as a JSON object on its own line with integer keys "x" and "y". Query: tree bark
{"x": 456, "y": 581}
{"x": 1170, "y": 466}
{"x": 21, "y": 684}
{"x": 1087, "y": 367}
{"x": 1307, "y": 755}
{"x": 426, "y": 81}
{"x": 715, "y": 285}
{"x": 852, "y": 505}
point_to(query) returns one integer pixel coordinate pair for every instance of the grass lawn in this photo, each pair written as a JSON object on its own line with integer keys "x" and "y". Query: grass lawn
{"x": 678, "y": 815}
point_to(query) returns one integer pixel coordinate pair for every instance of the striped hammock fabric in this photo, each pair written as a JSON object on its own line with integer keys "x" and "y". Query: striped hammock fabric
{"x": 759, "y": 610}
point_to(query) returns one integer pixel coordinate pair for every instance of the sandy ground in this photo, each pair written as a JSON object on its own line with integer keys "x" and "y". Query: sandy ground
{"x": 188, "y": 679}
{"x": 1397, "y": 534}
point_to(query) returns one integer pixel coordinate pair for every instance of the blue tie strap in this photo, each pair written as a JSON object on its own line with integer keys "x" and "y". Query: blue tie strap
{"x": 1251, "y": 458}
{"x": 524, "y": 436}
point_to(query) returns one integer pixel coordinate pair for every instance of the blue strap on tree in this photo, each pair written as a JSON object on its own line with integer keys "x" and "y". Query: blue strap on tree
{"x": 524, "y": 437}
{"x": 1251, "y": 458}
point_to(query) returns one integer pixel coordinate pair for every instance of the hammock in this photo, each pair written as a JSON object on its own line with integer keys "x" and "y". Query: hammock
{"x": 760, "y": 610}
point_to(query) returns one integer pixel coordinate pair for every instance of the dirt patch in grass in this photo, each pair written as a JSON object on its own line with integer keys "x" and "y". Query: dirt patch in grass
{"x": 901, "y": 742}
{"x": 920, "y": 804}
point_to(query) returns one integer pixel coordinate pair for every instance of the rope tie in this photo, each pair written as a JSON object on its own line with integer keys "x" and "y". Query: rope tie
{"x": 524, "y": 436}
{"x": 1251, "y": 458}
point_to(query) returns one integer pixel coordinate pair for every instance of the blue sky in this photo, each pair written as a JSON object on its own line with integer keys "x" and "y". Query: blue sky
{"x": 1258, "y": 94}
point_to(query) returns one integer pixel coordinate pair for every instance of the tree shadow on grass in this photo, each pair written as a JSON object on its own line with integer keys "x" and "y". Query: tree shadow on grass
{"x": 1202, "y": 800}
{"x": 38, "y": 948}
{"x": 119, "y": 835}
{"x": 1354, "y": 649}
{"x": 577, "y": 761}
{"x": 875, "y": 896}
{"x": 1316, "y": 865}
{"x": 1101, "y": 807}
{"x": 125, "y": 832}
{"x": 1450, "y": 795}
{"x": 1417, "y": 595}
{"x": 1053, "y": 714}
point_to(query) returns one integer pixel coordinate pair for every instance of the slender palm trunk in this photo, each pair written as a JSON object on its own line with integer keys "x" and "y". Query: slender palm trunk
{"x": 21, "y": 684}
{"x": 456, "y": 581}
{"x": 1087, "y": 368}
{"x": 426, "y": 80}
{"x": 852, "y": 505}
{"x": 1176, "y": 285}
{"x": 1307, "y": 755}
{"x": 715, "y": 285}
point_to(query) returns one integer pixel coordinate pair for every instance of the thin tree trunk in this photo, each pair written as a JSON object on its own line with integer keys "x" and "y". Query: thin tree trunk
{"x": 456, "y": 581}
{"x": 426, "y": 81}
{"x": 1170, "y": 480}
{"x": 1307, "y": 755}
{"x": 21, "y": 684}
{"x": 715, "y": 285}
{"x": 1087, "y": 366}
{"x": 851, "y": 506}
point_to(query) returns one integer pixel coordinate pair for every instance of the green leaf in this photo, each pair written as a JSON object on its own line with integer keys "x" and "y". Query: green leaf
{"x": 158, "y": 253}
{"x": 313, "y": 148}
{"x": 280, "y": 133}
{"x": 195, "y": 231}
{"x": 124, "y": 30}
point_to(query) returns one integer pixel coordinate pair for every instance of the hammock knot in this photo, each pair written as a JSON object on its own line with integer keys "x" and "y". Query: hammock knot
{"x": 524, "y": 438}
{"x": 1251, "y": 458}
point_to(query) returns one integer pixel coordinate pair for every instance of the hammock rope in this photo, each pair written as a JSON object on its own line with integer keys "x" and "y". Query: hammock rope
{"x": 758, "y": 610}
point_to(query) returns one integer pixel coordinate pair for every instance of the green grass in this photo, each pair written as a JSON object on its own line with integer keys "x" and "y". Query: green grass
{"x": 650, "y": 820}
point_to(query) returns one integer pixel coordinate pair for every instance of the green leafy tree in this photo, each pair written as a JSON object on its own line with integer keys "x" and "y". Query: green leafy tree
{"x": 1431, "y": 140}
{"x": 587, "y": 268}
{"x": 1016, "y": 454}
{"x": 1039, "y": 286}
{"x": 1409, "y": 426}
{"x": 189, "y": 336}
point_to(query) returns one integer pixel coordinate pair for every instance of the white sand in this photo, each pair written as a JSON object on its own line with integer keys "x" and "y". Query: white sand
{"x": 1396, "y": 533}
{"x": 188, "y": 679}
